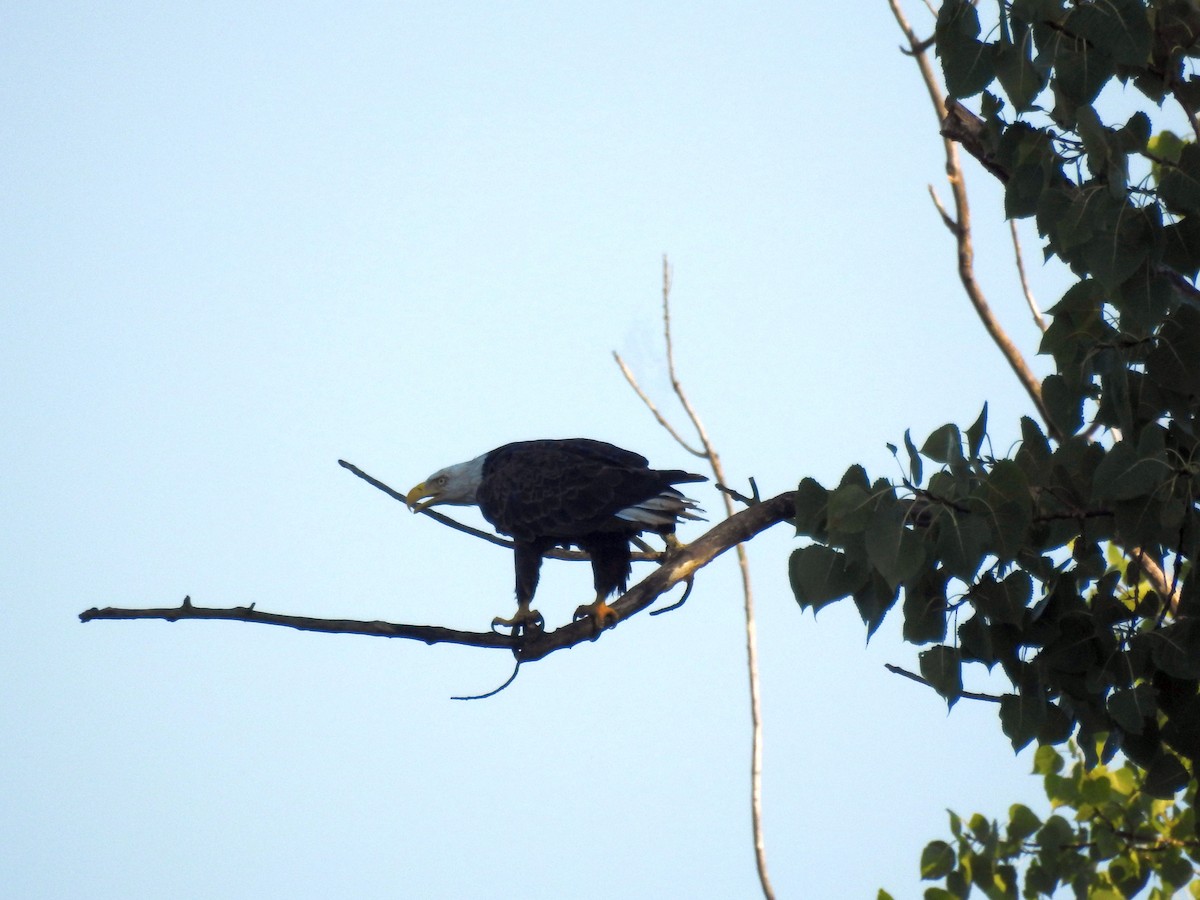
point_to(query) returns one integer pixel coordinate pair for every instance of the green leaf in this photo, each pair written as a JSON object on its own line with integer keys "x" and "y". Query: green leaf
{"x": 1055, "y": 834}
{"x": 1080, "y": 72}
{"x": 944, "y": 445}
{"x": 961, "y": 543}
{"x": 1130, "y": 708}
{"x": 1179, "y": 186}
{"x": 811, "y": 500}
{"x": 975, "y": 641}
{"x": 1181, "y": 245}
{"x": 1021, "y": 79}
{"x": 1164, "y": 145}
{"x": 1021, "y": 716}
{"x": 1064, "y": 404}
{"x": 821, "y": 575}
{"x": 925, "y": 609}
{"x": 850, "y": 509}
{"x": 1176, "y": 648}
{"x": 1134, "y": 135}
{"x": 1118, "y": 28}
{"x": 1174, "y": 362}
{"x": 980, "y": 826}
{"x": 1004, "y": 602}
{"x": 1142, "y": 300}
{"x": 966, "y": 61}
{"x": 1096, "y": 788}
{"x": 937, "y": 860}
{"x": 941, "y": 666}
{"x": 873, "y": 600}
{"x": 1124, "y": 237}
{"x": 977, "y": 432}
{"x": 914, "y": 458}
{"x": 1165, "y": 777}
{"x": 1047, "y": 761}
{"x": 1021, "y": 822}
{"x": 1004, "y": 501}
{"x": 894, "y": 549}
{"x": 1123, "y": 475}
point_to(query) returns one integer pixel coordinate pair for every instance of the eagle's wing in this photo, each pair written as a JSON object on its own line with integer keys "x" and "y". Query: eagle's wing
{"x": 564, "y": 489}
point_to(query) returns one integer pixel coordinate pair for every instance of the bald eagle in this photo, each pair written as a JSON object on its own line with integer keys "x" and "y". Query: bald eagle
{"x": 552, "y": 493}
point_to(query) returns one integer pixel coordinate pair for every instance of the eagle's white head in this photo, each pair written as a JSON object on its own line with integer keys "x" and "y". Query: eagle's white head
{"x": 452, "y": 486}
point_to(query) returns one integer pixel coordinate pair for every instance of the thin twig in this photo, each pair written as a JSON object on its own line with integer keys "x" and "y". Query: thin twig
{"x": 1025, "y": 289}
{"x": 494, "y": 691}
{"x": 947, "y": 219}
{"x": 714, "y": 460}
{"x": 659, "y": 417}
{"x": 969, "y": 695}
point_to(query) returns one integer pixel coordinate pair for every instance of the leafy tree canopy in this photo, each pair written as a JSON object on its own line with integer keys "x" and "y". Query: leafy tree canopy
{"x": 1064, "y": 565}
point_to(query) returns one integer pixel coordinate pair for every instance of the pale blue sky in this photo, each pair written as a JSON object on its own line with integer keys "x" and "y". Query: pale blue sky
{"x": 246, "y": 240}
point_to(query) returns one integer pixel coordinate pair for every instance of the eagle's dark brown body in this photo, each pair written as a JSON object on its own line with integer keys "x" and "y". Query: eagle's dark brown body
{"x": 583, "y": 492}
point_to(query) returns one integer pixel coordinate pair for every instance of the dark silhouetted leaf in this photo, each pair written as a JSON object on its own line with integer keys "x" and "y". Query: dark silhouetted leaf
{"x": 1131, "y": 707}
{"x": 966, "y": 61}
{"x": 1119, "y": 29}
{"x": 976, "y": 433}
{"x": 1165, "y": 777}
{"x": 811, "y": 500}
{"x": 820, "y": 575}
{"x": 1021, "y": 717}
{"x": 941, "y": 666}
{"x": 873, "y": 600}
{"x": 1021, "y": 79}
{"x": 850, "y": 509}
{"x": 895, "y": 550}
{"x": 944, "y": 445}
{"x": 1179, "y": 186}
{"x": 914, "y": 458}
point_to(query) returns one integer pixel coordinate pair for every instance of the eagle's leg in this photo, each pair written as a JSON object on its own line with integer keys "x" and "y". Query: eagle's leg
{"x": 528, "y": 560}
{"x": 603, "y": 615}
{"x": 524, "y": 621}
{"x": 674, "y": 547}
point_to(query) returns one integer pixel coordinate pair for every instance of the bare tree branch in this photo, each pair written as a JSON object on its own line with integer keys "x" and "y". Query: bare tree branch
{"x": 1025, "y": 289}
{"x": 658, "y": 416}
{"x": 962, "y": 229}
{"x": 710, "y": 453}
{"x": 429, "y": 634}
{"x": 913, "y": 676}
{"x": 679, "y": 567}
{"x": 947, "y": 219}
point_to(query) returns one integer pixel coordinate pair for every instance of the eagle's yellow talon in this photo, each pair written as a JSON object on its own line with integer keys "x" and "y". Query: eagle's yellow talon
{"x": 599, "y": 612}
{"x": 526, "y": 621}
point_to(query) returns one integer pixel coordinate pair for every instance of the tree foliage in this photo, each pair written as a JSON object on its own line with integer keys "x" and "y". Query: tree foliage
{"x": 1064, "y": 565}
{"x": 1120, "y": 841}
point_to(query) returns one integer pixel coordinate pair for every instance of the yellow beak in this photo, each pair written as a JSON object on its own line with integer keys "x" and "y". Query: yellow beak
{"x": 421, "y": 491}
